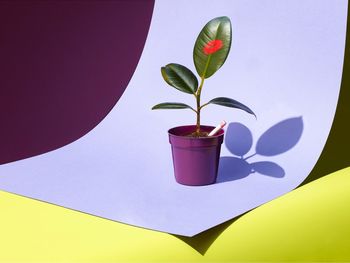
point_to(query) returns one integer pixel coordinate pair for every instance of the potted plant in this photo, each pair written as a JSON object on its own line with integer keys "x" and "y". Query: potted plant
{"x": 195, "y": 154}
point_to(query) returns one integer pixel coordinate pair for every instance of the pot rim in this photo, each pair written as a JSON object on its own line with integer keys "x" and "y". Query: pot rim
{"x": 218, "y": 134}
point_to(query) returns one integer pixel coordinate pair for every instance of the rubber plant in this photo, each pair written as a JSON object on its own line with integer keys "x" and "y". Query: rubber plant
{"x": 209, "y": 54}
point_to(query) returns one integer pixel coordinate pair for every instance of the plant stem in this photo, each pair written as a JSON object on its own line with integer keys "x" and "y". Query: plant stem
{"x": 198, "y": 122}
{"x": 198, "y": 100}
{"x": 205, "y": 104}
{"x": 198, "y": 97}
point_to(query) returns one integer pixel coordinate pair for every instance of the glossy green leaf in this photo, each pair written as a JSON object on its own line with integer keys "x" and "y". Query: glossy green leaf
{"x": 227, "y": 102}
{"x": 180, "y": 77}
{"x": 171, "y": 105}
{"x": 212, "y": 46}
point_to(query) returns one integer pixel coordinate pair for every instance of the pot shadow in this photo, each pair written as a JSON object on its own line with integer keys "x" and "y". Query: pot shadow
{"x": 278, "y": 139}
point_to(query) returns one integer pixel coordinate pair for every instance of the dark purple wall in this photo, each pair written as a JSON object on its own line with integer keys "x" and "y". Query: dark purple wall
{"x": 63, "y": 66}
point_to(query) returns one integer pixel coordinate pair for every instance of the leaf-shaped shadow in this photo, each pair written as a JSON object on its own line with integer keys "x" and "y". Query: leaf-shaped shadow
{"x": 238, "y": 139}
{"x": 281, "y": 137}
{"x": 268, "y": 168}
{"x": 232, "y": 168}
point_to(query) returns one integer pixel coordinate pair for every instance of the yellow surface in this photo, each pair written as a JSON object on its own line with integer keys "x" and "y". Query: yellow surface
{"x": 311, "y": 223}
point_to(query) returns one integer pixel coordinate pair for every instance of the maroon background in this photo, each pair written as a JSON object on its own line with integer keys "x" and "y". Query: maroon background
{"x": 63, "y": 66}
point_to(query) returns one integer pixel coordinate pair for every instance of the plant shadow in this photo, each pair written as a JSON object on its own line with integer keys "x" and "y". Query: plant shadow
{"x": 333, "y": 157}
{"x": 278, "y": 139}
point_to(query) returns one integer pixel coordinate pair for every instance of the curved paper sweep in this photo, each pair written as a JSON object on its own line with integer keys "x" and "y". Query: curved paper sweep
{"x": 285, "y": 62}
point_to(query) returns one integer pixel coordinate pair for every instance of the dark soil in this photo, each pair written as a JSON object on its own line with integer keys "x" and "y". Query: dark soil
{"x": 201, "y": 134}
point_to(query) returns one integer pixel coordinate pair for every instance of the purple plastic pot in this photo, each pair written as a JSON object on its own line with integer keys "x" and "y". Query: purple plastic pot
{"x": 196, "y": 160}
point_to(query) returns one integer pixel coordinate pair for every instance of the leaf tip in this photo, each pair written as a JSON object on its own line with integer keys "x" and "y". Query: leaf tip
{"x": 224, "y": 18}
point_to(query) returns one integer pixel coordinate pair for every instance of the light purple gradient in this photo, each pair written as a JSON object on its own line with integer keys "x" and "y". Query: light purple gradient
{"x": 286, "y": 61}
